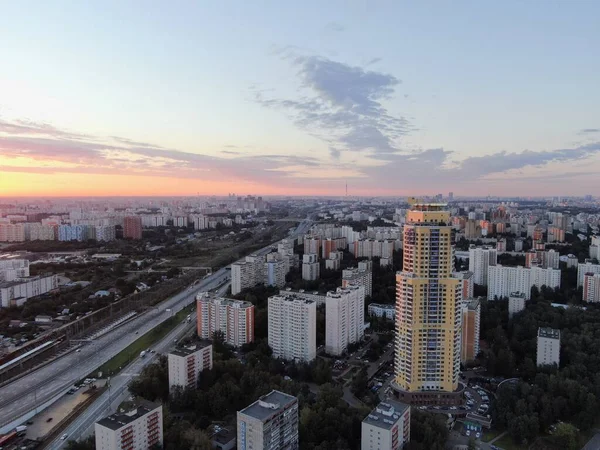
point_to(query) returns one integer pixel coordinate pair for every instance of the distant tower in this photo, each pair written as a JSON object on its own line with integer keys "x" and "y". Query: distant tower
{"x": 346, "y": 189}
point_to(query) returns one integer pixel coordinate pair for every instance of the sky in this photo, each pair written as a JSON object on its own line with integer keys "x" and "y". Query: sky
{"x": 299, "y": 98}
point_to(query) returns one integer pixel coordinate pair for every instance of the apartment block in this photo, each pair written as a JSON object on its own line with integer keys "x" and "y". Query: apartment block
{"x": 591, "y": 287}
{"x": 292, "y": 327}
{"x": 548, "y": 347}
{"x": 585, "y": 268}
{"x": 105, "y": 233}
{"x": 471, "y": 329}
{"x": 275, "y": 270}
{"x": 516, "y": 303}
{"x": 78, "y": 233}
{"x": 132, "y": 227}
{"x": 234, "y": 318}
{"x": 344, "y": 318}
{"x": 39, "y": 232}
{"x": 12, "y": 232}
{"x": 502, "y": 281}
{"x": 387, "y": 427}
{"x": 595, "y": 248}
{"x": 480, "y": 259}
{"x": 467, "y": 283}
{"x": 312, "y": 245}
{"x": 381, "y": 310}
{"x": 140, "y": 428}
{"x": 518, "y": 245}
{"x": 334, "y": 260}
{"x": 247, "y": 273}
{"x": 360, "y": 276}
{"x": 270, "y": 423}
{"x": 12, "y": 269}
{"x": 369, "y": 248}
{"x": 186, "y": 364}
{"x": 310, "y": 267}
{"x": 332, "y": 245}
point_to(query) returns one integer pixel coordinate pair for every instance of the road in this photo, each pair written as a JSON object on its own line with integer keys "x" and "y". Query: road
{"x": 24, "y": 395}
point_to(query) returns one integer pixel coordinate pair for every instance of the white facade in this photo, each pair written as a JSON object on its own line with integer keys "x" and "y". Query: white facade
{"x": 137, "y": 429}
{"x": 480, "y": 259}
{"x": 310, "y": 267}
{"x": 516, "y": 303}
{"x": 344, "y": 318}
{"x": 234, "y": 318}
{"x": 105, "y": 233}
{"x": 361, "y": 275}
{"x": 552, "y": 259}
{"x": 247, "y": 273}
{"x": 185, "y": 364}
{"x": 595, "y": 248}
{"x": 292, "y": 327}
{"x": 380, "y": 310}
{"x": 270, "y": 423}
{"x": 275, "y": 271}
{"x": 548, "y": 347}
{"x": 17, "y": 292}
{"x": 387, "y": 427}
{"x": 39, "y": 232}
{"x": 12, "y": 232}
{"x": 11, "y": 269}
{"x": 591, "y": 288}
{"x": 502, "y": 281}
{"x": 584, "y": 268}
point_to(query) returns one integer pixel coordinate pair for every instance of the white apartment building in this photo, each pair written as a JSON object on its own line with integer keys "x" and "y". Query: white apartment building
{"x": 334, "y": 261}
{"x": 480, "y": 259}
{"x": 247, "y": 273}
{"x": 584, "y": 268}
{"x": 73, "y": 233}
{"x": 137, "y": 429}
{"x": 275, "y": 270}
{"x": 571, "y": 261}
{"x": 234, "y": 318}
{"x": 387, "y": 427}
{"x": 381, "y": 310}
{"x": 518, "y": 244}
{"x": 17, "y": 292}
{"x": 548, "y": 347}
{"x": 591, "y": 287}
{"x": 292, "y": 327}
{"x": 361, "y": 275}
{"x": 344, "y": 318}
{"x": 105, "y": 233}
{"x": 154, "y": 220}
{"x": 595, "y": 248}
{"x": 502, "y": 281}
{"x": 200, "y": 222}
{"x": 11, "y": 269}
{"x": 516, "y": 303}
{"x": 312, "y": 245}
{"x": 310, "y": 267}
{"x": 369, "y": 248}
{"x": 12, "y": 232}
{"x": 270, "y": 423}
{"x": 186, "y": 363}
{"x": 551, "y": 259}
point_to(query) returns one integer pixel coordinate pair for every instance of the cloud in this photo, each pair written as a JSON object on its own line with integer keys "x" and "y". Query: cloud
{"x": 343, "y": 105}
{"x": 589, "y": 130}
{"x": 335, "y": 26}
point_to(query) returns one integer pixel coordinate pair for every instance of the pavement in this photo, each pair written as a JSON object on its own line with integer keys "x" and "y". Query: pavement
{"x": 20, "y": 398}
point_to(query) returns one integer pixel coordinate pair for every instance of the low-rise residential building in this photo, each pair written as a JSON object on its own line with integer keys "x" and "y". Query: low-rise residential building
{"x": 548, "y": 347}
{"x": 269, "y": 423}
{"x": 381, "y": 310}
{"x": 140, "y": 428}
{"x": 186, "y": 364}
{"x": 387, "y": 427}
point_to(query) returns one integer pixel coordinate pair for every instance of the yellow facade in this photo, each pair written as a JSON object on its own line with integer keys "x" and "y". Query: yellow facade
{"x": 427, "y": 304}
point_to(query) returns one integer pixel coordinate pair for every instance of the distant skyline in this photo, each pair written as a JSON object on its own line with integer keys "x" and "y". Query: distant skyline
{"x": 143, "y": 98}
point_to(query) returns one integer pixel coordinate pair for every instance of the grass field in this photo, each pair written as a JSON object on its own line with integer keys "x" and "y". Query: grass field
{"x": 506, "y": 443}
{"x": 490, "y": 434}
{"x": 121, "y": 359}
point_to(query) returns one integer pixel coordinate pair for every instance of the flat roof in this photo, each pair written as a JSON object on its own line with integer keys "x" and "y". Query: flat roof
{"x": 293, "y": 297}
{"x": 268, "y": 405}
{"x": 386, "y": 414}
{"x": 190, "y": 349}
{"x": 382, "y": 305}
{"x": 549, "y": 333}
{"x": 118, "y": 420}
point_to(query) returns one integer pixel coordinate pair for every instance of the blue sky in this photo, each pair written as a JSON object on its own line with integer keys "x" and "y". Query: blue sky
{"x": 282, "y": 97}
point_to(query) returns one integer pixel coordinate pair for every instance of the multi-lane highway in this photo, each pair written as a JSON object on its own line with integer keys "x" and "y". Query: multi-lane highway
{"x": 20, "y": 398}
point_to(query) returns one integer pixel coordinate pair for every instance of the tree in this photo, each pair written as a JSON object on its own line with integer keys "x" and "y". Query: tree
{"x": 88, "y": 443}
{"x": 566, "y": 436}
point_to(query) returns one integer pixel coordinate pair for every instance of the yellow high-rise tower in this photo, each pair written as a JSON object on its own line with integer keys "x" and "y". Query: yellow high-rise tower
{"x": 428, "y": 312}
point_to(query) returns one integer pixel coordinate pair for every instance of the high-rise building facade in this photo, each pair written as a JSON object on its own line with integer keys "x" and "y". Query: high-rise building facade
{"x": 591, "y": 287}
{"x": 234, "y": 318}
{"x": 140, "y": 428}
{"x": 360, "y": 276}
{"x": 548, "y": 347}
{"x": 585, "y": 268}
{"x": 344, "y": 318}
{"x": 310, "y": 267}
{"x": 12, "y": 232}
{"x": 516, "y": 303}
{"x": 466, "y": 279}
{"x": 502, "y": 281}
{"x": 186, "y": 363}
{"x": 480, "y": 259}
{"x": 292, "y": 327}
{"x": 247, "y": 273}
{"x": 471, "y": 328}
{"x": 428, "y": 308}
{"x": 270, "y": 423}
{"x": 132, "y": 227}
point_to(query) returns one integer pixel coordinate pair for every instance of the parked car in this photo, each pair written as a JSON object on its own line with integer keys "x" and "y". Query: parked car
{"x": 64, "y": 436}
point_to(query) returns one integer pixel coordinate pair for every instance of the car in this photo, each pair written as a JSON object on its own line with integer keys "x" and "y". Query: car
{"x": 437, "y": 407}
{"x": 29, "y": 422}
{"x": 49, "y": 419}
{"x": 136, "y": 332}
{"x": 453, "y": 408}
{"x": 78, "y": 350}
{"x": 64, "y": 436}
{"x": 422, "y": 407}
{"x": 478, "y": 435}
{"x": 468, "y": 433}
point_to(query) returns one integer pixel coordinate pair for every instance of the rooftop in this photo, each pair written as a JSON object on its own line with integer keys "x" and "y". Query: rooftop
{"x": 473, "y": 304}
{"x": 517, "y": 294}
{"x": 196, "y": 347}
{"x": 268, "y": 405}
{"x": 293, "y": 297}
{"x": 549, "y": 333}
{"x": 386, "y": 414}
{"x": 382, "y": 305}
{"x": 118, "y": 420}
{"x": 208, "y": 297}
